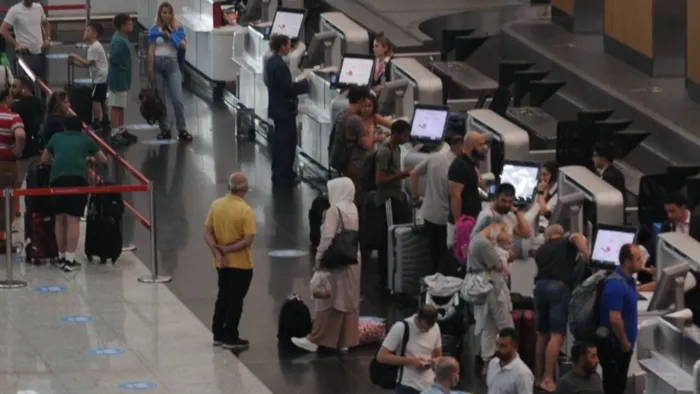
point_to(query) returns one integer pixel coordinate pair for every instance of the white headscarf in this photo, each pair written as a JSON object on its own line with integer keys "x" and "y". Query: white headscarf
{"x": 341, "y": 195}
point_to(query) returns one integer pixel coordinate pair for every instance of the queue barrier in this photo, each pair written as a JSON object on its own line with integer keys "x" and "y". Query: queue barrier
{"x": 144, "y": 185}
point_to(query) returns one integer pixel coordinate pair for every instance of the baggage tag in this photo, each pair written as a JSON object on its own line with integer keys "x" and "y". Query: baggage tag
{"x": 419, "y": 219}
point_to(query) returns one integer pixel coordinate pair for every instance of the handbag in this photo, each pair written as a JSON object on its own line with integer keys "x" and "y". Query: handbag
{"x": 343, "y": 249}
{"x": 476, "y": 288}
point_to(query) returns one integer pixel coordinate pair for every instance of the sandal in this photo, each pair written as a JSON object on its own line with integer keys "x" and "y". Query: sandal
{"x": 184, "y": 136}
{"x": 164, "y": 135}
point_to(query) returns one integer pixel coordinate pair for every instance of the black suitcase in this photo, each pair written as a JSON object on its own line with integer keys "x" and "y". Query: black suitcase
{"x": 37, "y": 177}
{"x": 245, "y": 123}
{"x": 103, "y": 232}
{"x": 79, "y": 96}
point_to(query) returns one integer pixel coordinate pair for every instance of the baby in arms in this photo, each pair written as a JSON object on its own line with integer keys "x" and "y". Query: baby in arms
{"x": 504, "y": 244}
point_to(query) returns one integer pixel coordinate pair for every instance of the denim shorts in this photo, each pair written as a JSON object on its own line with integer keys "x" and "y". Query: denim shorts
{"x": 551, "y": 306}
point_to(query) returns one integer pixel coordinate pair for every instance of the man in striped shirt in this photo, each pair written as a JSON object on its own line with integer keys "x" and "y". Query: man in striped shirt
{"x": 12, "y": 138}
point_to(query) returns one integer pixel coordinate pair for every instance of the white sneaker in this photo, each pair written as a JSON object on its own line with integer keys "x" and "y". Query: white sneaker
{"x": 344, "y": 350}
{"x": 16, "y": 226}
{"x": 305, "y": 344}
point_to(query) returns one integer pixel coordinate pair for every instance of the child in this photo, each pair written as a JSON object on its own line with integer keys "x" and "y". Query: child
{"x": 97, "y": 63}
{"x": 119, "y": 79}
{"x": 504, "y": 244}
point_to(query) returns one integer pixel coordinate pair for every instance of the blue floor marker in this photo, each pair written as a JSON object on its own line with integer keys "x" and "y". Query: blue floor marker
{"x": 159, "y": 142}
{"x": 78, "y": 319}
{"x": 287, "y": 253}
{"x": 138, "y": 386}
{"x": 106, "y": 351}
{"x": 50, "y": 289}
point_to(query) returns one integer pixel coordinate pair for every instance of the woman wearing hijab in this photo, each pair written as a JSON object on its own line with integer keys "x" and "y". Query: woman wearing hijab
{"x": 495, "y": 314}
{"x": 337, "y": 318}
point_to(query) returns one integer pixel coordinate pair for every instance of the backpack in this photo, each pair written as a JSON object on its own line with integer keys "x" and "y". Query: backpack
{"x": 294, "y": 320}
{"x": 384, "y": 375}
{"x": 584, "y": 306}
{"x": 152, "y": 106}
{"x": 370, "y": 170}
{"x": 463, "y": 236}
{"x": 338, "y": 155}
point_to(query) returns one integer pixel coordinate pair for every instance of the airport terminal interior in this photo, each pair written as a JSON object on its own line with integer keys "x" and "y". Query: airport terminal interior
{"x": 541, "y": 79}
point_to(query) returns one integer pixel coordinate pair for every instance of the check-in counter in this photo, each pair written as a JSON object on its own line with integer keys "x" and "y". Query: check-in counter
{"x": 692, "y": 68}
{"x": 647, "y": 34}
{"x": 578, "y": 16}
{"x": 315, "y": 113}
{"x": 207, "y": 44}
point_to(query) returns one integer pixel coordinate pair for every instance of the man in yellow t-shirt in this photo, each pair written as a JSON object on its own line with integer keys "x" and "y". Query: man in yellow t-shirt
{"x": 229, "y": 231}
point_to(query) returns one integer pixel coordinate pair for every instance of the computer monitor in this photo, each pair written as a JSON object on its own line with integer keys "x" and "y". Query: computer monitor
{"x": 288, "y": 22}
{"x": 318, "y": 52}
{"x": 665, "y": 293}
{"x": 428, "y": 123}
{"x": 355, "y": 70}
{"x": 524, "y": 176}
{"x": 607, "y": 243}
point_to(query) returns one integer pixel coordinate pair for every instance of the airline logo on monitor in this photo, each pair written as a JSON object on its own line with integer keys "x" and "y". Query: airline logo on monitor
{"x": 423, "y": 125}
{"x": 349, "y": 73}
{"x": 282, "y": 26}
{"x": 607, "y": 249}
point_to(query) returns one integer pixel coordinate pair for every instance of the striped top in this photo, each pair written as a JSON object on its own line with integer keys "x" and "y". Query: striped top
{"x": 9, "y": 123}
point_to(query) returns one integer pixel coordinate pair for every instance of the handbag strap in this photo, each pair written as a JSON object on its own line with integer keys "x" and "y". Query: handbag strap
{"x": 340, "y": 216}
{"x": 404, "y": 343}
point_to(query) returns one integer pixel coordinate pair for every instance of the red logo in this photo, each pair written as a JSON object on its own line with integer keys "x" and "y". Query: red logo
{"x": 282, "y": 26}
{"x": 350, "y": 73}
{"x": 422, "y": 126}
{"x": 607, "y": 249}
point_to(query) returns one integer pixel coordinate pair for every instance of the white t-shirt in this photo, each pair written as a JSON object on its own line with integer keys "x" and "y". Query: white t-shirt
{"x": 510, "y": 219}
{"x": 420, "y": 344}
{"x": 98, "y": 71}
{"x": 26, "y": 22}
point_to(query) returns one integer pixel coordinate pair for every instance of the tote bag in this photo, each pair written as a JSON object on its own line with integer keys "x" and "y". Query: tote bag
{"x": 343, "y": 249}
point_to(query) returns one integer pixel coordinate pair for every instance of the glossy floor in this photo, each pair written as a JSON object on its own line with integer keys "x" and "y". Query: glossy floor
{"x": 162, "y": 329}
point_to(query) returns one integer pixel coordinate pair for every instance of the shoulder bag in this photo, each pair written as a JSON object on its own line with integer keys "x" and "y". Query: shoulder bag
{"x": 343, "y": 249}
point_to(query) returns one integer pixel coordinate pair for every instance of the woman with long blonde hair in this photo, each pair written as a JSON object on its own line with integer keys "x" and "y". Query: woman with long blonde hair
{"x": 166, "y": 59}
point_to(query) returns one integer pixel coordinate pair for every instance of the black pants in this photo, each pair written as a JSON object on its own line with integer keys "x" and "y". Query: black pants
{"x": 401, "y": 214}
{"x": 615, "y": 365}
{"x": 284, "y": 150}
{"x": 233, "y": 287}
{"x": 401, "y": 389}
{"x": 437, "y": 233}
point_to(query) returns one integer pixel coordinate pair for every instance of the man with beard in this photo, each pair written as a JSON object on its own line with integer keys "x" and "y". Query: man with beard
{"x": 506, "y": 372}
{"x": 464, "y": 181}
{"x": 503, "y": 207}
{"x": 583, "y": 379}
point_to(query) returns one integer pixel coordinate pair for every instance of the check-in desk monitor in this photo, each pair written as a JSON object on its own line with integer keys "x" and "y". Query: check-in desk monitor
{"x": 288, "y": 22}
{"x": 428, "y": 123}
{"x": 355, "y": 70}
{"x": 524, "y": 176}
{"x": 607, "y": 244}
{"x": 319, "y": 51}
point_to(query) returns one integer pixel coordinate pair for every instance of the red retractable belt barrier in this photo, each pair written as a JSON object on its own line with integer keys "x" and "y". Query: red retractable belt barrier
{"x": 143, "y": 185}
{"x": 59, "y": 7}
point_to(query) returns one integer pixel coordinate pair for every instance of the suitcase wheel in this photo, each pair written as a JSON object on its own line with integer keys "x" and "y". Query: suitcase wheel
{"x": 103, "y": 260}
{"x": 89, "y": 257}
{"x": 114, "y": 259}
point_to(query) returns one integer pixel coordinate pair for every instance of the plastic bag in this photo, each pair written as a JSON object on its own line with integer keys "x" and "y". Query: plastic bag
{"x": 321, "y": 285}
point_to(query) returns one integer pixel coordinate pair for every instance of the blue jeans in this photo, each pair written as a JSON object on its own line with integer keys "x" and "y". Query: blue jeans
{"x": 551, "y": 306}
{"x": 169, "y": 83}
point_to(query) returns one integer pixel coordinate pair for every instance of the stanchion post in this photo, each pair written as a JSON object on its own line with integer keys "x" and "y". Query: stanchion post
{"x": 154, "y": 277}
{"x": 128, "y": 247}
{"x": 88, "y": 6}
{"x": 9, "y": 282}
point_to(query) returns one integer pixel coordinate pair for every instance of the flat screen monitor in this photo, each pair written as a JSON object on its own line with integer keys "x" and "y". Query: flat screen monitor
{"x": 288, "y": 22}
{"x": 524, "y": 176}
{"x": 665, "y": 293}
{"x": 429, "y": 122}
{"x": 355, "y": 70}
{"x": 608, "y": 241}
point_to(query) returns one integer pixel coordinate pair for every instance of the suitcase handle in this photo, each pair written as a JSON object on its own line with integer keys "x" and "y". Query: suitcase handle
{"x": 71, "y": 72}
{"x": 390, "y": 213}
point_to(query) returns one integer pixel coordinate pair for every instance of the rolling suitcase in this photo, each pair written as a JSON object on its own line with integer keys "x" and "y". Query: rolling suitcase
{"x": 409, "y": 255}
{"x": 39, "y": 222}
{"x": 524, "y": 321}
{"x": 79, "y": 96}
{"x": 103, "y": 231}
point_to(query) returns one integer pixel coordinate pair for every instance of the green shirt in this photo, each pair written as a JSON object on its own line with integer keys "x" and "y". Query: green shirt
{"x": 119, "y": 74}
{"x": 69, "y": 150}
{"x": 389, "y": 161}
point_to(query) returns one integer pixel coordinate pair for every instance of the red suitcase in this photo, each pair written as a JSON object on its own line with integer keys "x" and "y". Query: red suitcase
{"x": 524, "y": 321}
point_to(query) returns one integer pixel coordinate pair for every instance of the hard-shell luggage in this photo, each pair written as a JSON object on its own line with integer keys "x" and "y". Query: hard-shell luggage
{"x": 524, "y": 321}
{"x": 79, "y": 96}
{"x": 409, "y": 255}
{"x": 245, "y": 123}
{"x": 103, "y": 231}
{"x": 38, "y": 177}
{"x": 319, "y": 205}
{"x": 42, "y": 245}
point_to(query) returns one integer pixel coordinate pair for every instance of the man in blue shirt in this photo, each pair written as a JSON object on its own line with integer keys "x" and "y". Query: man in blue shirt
{"x": 119, "y": 78}
{"x": 618, "y": 320}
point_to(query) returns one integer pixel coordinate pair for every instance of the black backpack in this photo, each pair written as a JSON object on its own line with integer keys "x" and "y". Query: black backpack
{"x": 370, "y": 173}
{"x": 388, "y": 376}
{"x": 152, "y": 106}
{"x": 338, "y": 156}
{"x": 294, "y": 320}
